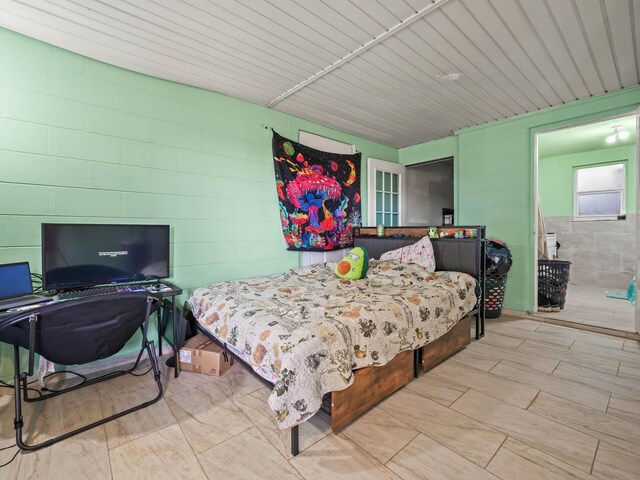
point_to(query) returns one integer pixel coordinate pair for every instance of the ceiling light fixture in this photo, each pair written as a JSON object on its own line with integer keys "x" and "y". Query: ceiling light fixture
{"x": 452, "y": 77}
{"x": 617, "y": 134}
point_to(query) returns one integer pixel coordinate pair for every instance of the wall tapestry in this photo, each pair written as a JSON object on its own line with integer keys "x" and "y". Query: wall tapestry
{"x": 318, "y": 194}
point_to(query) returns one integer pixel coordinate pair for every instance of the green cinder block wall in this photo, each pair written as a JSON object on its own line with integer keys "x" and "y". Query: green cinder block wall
{"x": 86, "y": 142}
{"x": 494, "y": 177}
{"x": 555, "y": 177}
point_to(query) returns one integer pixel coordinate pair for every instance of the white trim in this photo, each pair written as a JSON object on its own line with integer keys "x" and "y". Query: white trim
{"x": 373, "y": 165}
{"x": 536, "y": 227}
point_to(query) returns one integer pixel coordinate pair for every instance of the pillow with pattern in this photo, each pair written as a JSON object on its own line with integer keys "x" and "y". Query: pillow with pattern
{"x": 420, "y": 253}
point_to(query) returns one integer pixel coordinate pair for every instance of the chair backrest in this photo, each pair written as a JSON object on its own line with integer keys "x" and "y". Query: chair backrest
{"x": 86, "y": 329}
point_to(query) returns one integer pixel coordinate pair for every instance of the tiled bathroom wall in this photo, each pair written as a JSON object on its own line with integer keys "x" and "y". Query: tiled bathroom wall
{"x": 603, "y": 253}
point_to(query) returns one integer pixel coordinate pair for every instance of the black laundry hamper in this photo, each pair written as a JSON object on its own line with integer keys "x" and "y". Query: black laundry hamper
{"x": 499, "y": 262}
{"x": 553, "y": 278}
{"x": 494, "y": 295}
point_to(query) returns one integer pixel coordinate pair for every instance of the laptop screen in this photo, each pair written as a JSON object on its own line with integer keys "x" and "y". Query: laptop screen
{"x": 15, "y": 280}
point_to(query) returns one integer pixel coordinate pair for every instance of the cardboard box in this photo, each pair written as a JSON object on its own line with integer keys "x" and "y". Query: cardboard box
{"x": 203, "y": 355}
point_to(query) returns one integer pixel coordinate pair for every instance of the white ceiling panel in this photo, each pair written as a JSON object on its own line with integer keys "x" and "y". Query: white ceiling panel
{"x": 409, "y": 98}
{"x": 398, "y": 72}
{"x": 548, "y": 80}
{"x": 415, "y": 49}
{"x": 565, "y": 15}
{"x": 423, "y": 83}
{"x": 331, "y": 21}
{"x": 503, "y": 49}
{"x": 621, "y": 36}
{"x": 511, "y": 57}
{"x": 377, "y": 107}
{"x": 545, "y": 26}
{"x": 370, "y": 16}
{"x": 479, "y": 59}
{"x": 185, "y": 35}
{"x": 418, "y": 4}
{"x": 113, "y": 23}
{"x": 471, "y": 67}
{"x": 596, "y": 29}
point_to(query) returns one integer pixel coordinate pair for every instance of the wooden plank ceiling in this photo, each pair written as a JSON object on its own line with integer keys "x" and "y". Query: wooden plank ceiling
{"x": 399, "y": 72}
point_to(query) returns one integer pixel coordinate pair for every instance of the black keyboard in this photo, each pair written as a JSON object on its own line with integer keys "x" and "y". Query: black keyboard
{"x": 157, "y": 288}
{"x": 89, "y": 292}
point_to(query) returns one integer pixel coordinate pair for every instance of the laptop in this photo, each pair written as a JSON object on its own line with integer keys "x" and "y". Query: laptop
{"x": 15, "y": 287}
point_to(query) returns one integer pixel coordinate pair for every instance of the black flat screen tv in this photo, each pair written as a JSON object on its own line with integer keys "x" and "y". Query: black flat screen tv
{"x": 84, "y": 255}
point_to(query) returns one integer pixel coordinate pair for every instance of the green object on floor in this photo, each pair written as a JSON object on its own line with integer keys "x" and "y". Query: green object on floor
{"x": 620, "y": 294}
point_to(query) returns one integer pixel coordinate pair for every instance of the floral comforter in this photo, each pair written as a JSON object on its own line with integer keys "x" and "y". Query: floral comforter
{"x": 307, "y": 330}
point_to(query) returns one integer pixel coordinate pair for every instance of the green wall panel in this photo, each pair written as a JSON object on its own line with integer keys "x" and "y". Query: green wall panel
{"x": 82, "y": 141}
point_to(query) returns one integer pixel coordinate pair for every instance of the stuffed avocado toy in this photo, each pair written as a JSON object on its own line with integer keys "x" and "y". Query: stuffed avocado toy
{"x": 354, "y": 265}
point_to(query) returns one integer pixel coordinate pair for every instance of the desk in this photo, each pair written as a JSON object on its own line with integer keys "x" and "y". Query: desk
{"x": 168, "y": 299}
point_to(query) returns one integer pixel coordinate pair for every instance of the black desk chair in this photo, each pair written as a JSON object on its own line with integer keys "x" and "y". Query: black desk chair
{"x": 77, "y": 332}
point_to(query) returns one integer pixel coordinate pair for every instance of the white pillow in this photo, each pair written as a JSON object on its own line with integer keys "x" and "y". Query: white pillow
{"x": 420, "y": 253}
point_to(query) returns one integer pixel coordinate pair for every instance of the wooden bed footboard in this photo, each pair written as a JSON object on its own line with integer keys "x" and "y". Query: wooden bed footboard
{"x": 453, "y": 341}
{"x": 371, "y": 385}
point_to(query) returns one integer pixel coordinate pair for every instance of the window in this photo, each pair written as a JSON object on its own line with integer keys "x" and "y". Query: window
{"x": 599, "y": 192}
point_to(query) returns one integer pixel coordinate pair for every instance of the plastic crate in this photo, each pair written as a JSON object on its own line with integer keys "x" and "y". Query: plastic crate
{"x": 553, "y": 278}
{"x": 494, "y": 295}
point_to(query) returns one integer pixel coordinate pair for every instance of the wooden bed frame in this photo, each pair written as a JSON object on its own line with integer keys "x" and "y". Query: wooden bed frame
{"x": 373, "y": 384}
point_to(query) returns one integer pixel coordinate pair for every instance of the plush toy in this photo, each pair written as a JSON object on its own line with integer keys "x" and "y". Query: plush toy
{"x": 354, "y": 265}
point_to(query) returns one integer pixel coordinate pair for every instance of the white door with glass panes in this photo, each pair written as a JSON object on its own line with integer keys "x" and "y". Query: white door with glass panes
{"x": 386, "y": 193}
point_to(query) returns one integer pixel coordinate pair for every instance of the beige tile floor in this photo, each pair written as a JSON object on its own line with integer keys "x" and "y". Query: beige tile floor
{"x": 531, "y": 400}
{"x": 589, "y": 305}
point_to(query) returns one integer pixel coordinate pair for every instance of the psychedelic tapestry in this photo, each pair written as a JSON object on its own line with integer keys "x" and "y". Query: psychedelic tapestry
{"x": 319, "y": 195}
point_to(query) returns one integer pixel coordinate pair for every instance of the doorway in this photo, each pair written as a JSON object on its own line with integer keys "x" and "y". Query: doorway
{"x": 420, "y": 194}
{"x": 430, "y": 193}
{"x": 586, "y": 190}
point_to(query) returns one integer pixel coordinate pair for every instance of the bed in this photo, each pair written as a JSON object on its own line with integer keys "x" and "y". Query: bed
{"x": 340, "y": 345}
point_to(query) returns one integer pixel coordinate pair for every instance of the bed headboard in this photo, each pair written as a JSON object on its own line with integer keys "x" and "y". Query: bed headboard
{"x": 456, "y": 254}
